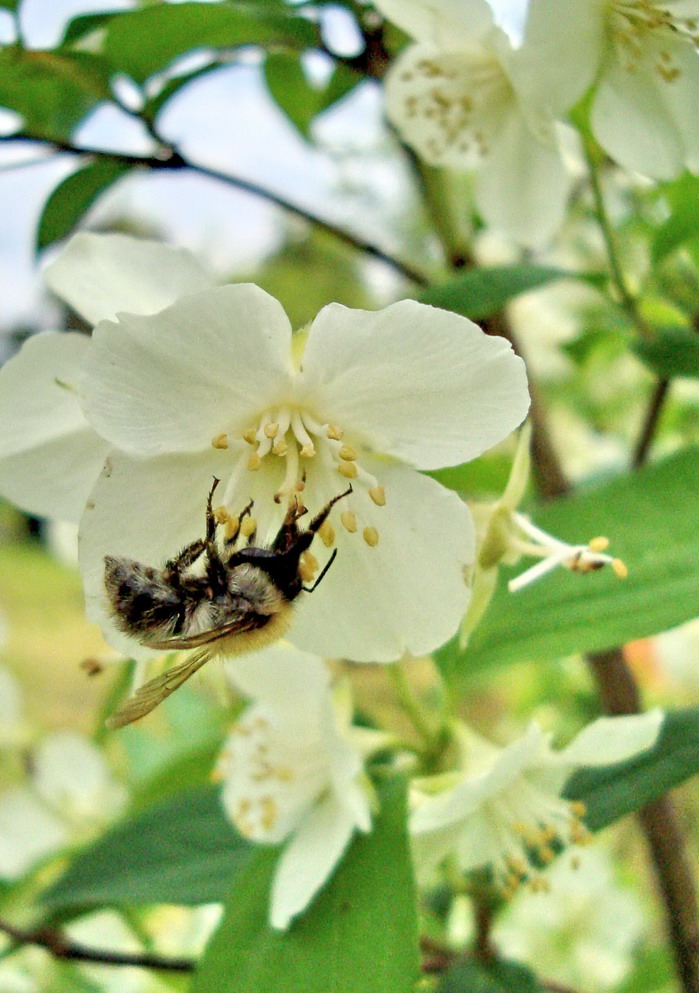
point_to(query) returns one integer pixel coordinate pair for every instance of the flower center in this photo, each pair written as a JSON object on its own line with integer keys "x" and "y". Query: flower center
{"x": 529, "y": 826}
{"x": 308, "y": 450}
{"x": 635, "y": 24}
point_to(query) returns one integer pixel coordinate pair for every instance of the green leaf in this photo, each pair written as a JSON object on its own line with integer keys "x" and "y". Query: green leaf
{"x": 683, "y": 223}
{"x": 489, "y": 977}
{"x": 52, "y": 90}
{"x": 649, "y": 518}
{"x": 290, "y": 89}
{"x": 673, "y": 352}
{"x": 72, "y": 198}
{"x": 84, "y": 24}
{"x": 479, "y": 293}
{"x": 611, "y": 792}
{"x": 182, "y": 850}
{"x": 10, "y": 4}
{"x": 358, "y": 936}
{"x": 143, "y": 42}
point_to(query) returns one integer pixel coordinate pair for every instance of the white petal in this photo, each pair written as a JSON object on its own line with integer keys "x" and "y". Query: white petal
{"x": 447, "y": 23}
{"x": 419, "y": 383}
{"x": 50, "y": 457}
{"x": 563, "y": 43}
{"x": 283, "y": 676}
{"x": 100, "y": 275}
{"x": 522, "y": 187}
{"x": 28, "y": 832}
{"x": 309, "y": 859}
{"x": 203, "y": 367}
{"x": 613, "y": 739}
{"x": 71, "y": 775}
{"x": 407, "y": 594}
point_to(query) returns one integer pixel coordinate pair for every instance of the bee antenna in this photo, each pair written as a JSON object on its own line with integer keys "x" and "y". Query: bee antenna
{"x": 309, "y": 589}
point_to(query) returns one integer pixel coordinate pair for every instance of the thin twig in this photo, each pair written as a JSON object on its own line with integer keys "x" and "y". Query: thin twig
{"x": 650, "y": 424}
{"x": 60, "y": 947}
{"x": 172, "y": 160}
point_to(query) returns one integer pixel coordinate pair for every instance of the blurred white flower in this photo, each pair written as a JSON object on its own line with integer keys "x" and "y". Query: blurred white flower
{"x": 461, "y": 98}
{"x": 504, "y": 809}
{"x": 70, "y": 795}
{"x": 677, "y": 652}
{"x": 14, "y": 728}
{"x": 582, "y": 930}
{"x": 212, "y": 384}
{"x": 641, "y": 57}
{"x": 293, "y": 771}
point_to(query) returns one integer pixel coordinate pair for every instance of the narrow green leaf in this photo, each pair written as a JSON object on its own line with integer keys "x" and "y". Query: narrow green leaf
{"x": 649, "y": 518}
{"x": 143, "y": 42}
{"x": 498, "y": 976}
{"x": 10, "y": 4}
{"x": 611, "y": 792}
{"x": 84, "y": 24}
{"x": 358, "y": 936}
{"x": 290, "y": 90}
{"x": 674, "y": 352}
{"x": 182, "y": 850}
{"x": 72, "y": 198}
{"x": 683, "y": 223}
{"x": 479, "y": 293}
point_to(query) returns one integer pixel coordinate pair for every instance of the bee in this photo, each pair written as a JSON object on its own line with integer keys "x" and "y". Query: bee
{"x": 219, "y": 599}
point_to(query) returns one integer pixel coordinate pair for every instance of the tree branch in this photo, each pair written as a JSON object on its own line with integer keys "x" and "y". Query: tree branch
{"x": 60, "y": 947}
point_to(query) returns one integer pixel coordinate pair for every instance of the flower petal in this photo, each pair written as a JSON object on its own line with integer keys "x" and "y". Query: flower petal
{"x": 407, "y": 594}
{"x": 202, "y": 367}
{"x": 613, "y": 739}
{"x": 50, "y": 457}
{"x": 448, "y": 24}
{"x": 523, "y": 185}
{"x": 282, "y": 676}
{"x": 309, "y": 859}
{"x": 28, "y": 831}
{"x": 71, "y": 775}
{"x": 419, "y": 383}
{"x": 100, "y": 275}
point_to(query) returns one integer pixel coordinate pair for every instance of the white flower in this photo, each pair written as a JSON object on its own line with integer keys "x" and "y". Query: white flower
{"x": 505, "y": 808}
{"x": 641, "y": 55}
{"x": 70, "y": 795}
{"x": 211, "y": 386}
{"x": 582, "y": 931}
{"x": 14, "y": 729}
{"x": 461, "y": 97}
{"x": 293, "y": 771}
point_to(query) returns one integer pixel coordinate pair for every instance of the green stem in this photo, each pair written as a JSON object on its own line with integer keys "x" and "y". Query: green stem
{"x": 433, "y": 739}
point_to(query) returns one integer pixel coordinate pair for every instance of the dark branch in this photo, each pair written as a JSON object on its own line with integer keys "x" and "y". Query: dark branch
{"x": 651, "y": 421}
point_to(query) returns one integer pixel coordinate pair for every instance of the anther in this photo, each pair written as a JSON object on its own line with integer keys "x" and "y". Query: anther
{"x": 271, "y": 429}
{"x": 308, "y": 450}
{"x": 300, "y": 485}
{"x": 578, "y": 808}
{"x": 248, "y": 526}
{"x": 221, "y": 514}
{"x": 327, "y": 534}
{"x": 250, "y": 436}
{"x": 220, "y": 440}
{"x": 371, "y": 536}
{"x": 349, "y": 520}
{"x": 347, "y": 453}
{"x": 347, "y": 469}
{"x": 308, "y": 566}
{"x": 269, "y": 812}
{"x": 280, "y": 448}
{"x": 378, "y": 495}
{"x": 334, "y": 432}
{"x": 619, "y": 569}
{"x": 598, "y": 544}
{"x": 254, "y": 462}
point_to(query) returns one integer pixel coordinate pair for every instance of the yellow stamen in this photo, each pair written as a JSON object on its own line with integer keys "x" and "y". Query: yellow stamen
{"x": 599, "y": 544}
{"x": 248, "y": 526}
{"x": 378, "y": 495}
{"x": 334, "y": 432}
{"x": 269, "y": 812}
{"x": 254, "y": 462}
{"x": 308, "y": 450}
{"x": 250, "y": 436}
{"x": 308, "y": 566}
{"x": 371, "y": 536}
{"x": 349, "y": 520}
{"x": 619, "y": 569}
{"x": 221, "y": 514}
{"x": 327, "y": 534}
{"x": 347, "y": 453}
{"x": 280, "y": 447}
{"x": 347, "y": 469}
{"x": 271, "y": 429}
{"x": 300, "y": 485}
{"x": 220, "y": 440}
{"x": 578, "y": 808}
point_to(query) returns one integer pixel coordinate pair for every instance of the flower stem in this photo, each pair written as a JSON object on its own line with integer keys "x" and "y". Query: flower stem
{"x": 433, "y": 739}
{"x": 656, "y": 403}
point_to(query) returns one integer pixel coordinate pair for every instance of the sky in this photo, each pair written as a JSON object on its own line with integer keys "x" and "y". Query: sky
{"x": 229, "y": 229}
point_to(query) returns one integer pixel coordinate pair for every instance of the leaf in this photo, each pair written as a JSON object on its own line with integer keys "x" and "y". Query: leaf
{"x": 72, "y": 198}
{"x": 290, "y": 89}
{"x": 611, "y": 792}
{"x": 479, "y": 293}
{"x": 358, "y": 936}
{"x": 498, "y": 976}
{"x": 10, "y": 4}
{"x": 673, "y": 352}
{"x": 143, "y": 42}
{"x": 181, "y": 850}
{"x": 683, "y": 222}
{"x": 84, "y": 24}
{"x": 52, "y": 90}
{"x": 649, "y": 518}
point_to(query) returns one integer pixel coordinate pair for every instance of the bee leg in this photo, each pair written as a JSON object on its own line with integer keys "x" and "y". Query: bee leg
{"x": 173, "y": 568}
{"x": 289, "y": 533}
{"x": 232, "y": 537}
{"x": 309, "y": 589}
{"x": 322, "y": 515}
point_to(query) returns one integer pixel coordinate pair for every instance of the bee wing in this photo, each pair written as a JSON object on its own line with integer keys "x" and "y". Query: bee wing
{"x": 156, "y": 690}
{"x": 241, "y": 624}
